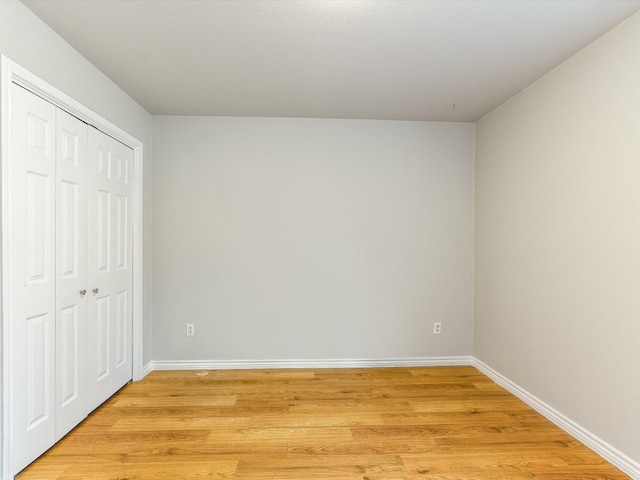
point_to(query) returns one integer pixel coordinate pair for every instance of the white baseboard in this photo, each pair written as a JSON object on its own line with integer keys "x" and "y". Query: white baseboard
{"x": 300, "y": 363}
{"x": 602, "y": 448}
{"x": 147, "y": 369}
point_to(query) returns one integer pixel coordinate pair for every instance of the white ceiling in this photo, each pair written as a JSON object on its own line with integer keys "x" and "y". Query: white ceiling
{"x": 380, "y": 59}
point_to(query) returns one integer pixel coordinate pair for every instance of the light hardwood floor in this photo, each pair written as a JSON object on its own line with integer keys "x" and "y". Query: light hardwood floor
{"x": 337, "y": 424}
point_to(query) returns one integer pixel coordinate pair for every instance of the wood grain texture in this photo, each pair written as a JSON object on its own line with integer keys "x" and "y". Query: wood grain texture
{"x": 431, "y": 423}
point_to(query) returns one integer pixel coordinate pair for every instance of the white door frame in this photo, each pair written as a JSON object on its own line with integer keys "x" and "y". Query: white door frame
{"x": 11, "y": 72}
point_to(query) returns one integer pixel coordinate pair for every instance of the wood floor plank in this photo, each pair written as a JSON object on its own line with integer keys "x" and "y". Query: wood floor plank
{"x": 146, "y": 424}
{"x": 417, "y": 423}
{"x": 147, "y": 471}
{"x": 218, "y": 452}
{"x": 319, "y": 407}
{"x": 492, "y": 419}
{"x": 318, "y": 420}
{"x": 368, "y": 447}
{"x": 343, "y": 467}
{"x": 185, "y": 401}
{"x": 280, "y": 434}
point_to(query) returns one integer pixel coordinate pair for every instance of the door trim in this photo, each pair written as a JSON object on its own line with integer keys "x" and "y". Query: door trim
{"x": 11, "y": 72}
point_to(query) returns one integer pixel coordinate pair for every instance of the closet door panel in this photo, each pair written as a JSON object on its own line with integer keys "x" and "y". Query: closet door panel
{"x": 110, "y": 274}
{"x": 38, "y": 227}
{"x": 32, "y": 235}
{"x": 103, "y": 341}
{"x": 71, "y": 273}
{"x": 38, "y": 375}
{"x": 68, "y": 343}
{"x": 122, "y": 335}
{"x": 99, "y": 246}
{"x": 122, "y": 264}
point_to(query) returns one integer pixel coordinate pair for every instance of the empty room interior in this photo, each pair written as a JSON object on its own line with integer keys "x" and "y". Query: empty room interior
{"x": 359, "y": 239}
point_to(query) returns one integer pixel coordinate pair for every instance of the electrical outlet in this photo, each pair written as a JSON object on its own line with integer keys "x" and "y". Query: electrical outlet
{"x": 190, "y": 330}
{"x": 437, "y": 328}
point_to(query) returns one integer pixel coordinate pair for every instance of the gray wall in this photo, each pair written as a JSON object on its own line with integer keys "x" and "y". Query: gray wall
{"x": 312, "y": 239}
{"x": 557, "y": 295}
{"x": 25, "y": 39}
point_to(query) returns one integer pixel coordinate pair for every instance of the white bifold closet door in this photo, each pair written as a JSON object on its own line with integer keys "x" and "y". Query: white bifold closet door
{"x": 71, "y": 320}
{"x": 71, "y": 271}
{"x": 110, "y": 266}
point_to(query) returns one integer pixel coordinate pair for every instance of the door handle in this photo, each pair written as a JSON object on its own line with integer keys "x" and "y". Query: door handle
{"x": 83, "y": 293}
{"x": 95, "y": 291}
